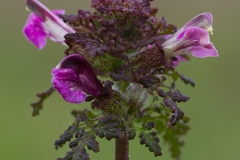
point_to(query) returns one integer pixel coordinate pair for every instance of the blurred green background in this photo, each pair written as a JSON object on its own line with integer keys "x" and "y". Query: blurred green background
{"x": 214, "y": 105}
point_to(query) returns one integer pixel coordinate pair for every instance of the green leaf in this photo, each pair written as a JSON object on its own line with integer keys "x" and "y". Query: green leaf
{"x": 171, "y": 134}
{"x": 66, "y": 136}
{"x": 172, "y": 137}
{"x": 131, "y": 133}
{"x": 109, "y": 127}
{"x": 79, "y": 152}
{"x": 76, "y": 154}
{"x": 73, "y": 129}
{"x": 90, "y": 114}
{"x": 151, "y": 141}
{"x": 92, "y": 144}
{"x": 187, "y": 80}
{"x": 186, "y": 119}
{"x": 175, "y": 75}
{"x": 148, "y": 126}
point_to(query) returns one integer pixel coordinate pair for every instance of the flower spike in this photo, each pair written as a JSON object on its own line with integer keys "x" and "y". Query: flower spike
{"x": 44, "y": 23}
{"x": 74, "y": 78}
{"x": 192, "y": 37}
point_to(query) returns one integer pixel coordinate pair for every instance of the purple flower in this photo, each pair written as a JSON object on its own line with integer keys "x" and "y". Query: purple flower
{"x": 44, "y": 23}
{"x": 74, "y": 78}
{"x": 192, "y": 37}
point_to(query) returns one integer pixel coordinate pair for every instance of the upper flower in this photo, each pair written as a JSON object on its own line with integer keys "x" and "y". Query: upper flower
{"x": 192, "y": 37}
{"x": 74, "y": 78}
{"x": 44, "y": 23}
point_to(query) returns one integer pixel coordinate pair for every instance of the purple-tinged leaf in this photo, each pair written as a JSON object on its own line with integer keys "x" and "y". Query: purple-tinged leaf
{"x": 177, "y": 96}
{"x": 131, "y": 134}
{"x": 148, "y": 126}
{"x": 151, "y": 141}
{"x": 109, "y": 127}
{"x": 177, "y": 114}
{"x": 37, "y": 106}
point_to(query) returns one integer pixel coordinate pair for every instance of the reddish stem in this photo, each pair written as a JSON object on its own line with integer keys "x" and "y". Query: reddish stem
{"x": 121, "y": 148}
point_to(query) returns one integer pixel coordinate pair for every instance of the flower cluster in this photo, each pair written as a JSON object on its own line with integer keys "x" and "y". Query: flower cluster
{"x": 124, "y": 43}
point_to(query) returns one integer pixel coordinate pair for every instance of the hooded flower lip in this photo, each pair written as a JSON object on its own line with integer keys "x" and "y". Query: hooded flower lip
{"x": 44, "y": 23}
{"x": 74, "y": 78}
{"x": 192, "y": 37}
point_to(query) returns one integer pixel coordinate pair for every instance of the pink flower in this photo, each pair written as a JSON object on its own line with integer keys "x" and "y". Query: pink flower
{"x": 192, "y": 37}
{"x": 44, "y": 23}
{"x": 74, "y": 79}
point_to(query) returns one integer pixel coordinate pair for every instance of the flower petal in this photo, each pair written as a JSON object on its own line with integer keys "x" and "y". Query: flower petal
{"x": 203, "y": 20}
{"x": 74, "y": 76}
{"x": 57, "y": 11}
{"x": 33, "y": 31}
{"x": 206, "y": 51}
{"x": 195, "y": 40}
{"x": 192, "y": 37}
{"x": 65, "y": 81}
{"x": 45, "y": 22}
{"x": 83, "y": 69}
{"x": 43, "y": 12}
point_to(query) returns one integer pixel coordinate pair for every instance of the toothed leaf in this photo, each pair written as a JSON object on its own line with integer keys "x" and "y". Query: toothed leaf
{"x": 177, "y": 114}
{"x": 131, "y": 134}
{"x": 151, "y": 141}
{"x": 108, "y": 127}
{"x": 177, "y": 96}
{"x": 37, "y": 106}
{"x": 148, "y": 126}
{"x": 76, "y": 154}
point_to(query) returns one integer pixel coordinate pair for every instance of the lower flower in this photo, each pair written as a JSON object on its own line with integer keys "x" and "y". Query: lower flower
{"x": 74, "y": 79}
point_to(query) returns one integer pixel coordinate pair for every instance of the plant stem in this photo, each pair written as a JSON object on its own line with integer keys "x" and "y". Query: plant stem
{"x": 121, "y": 148}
